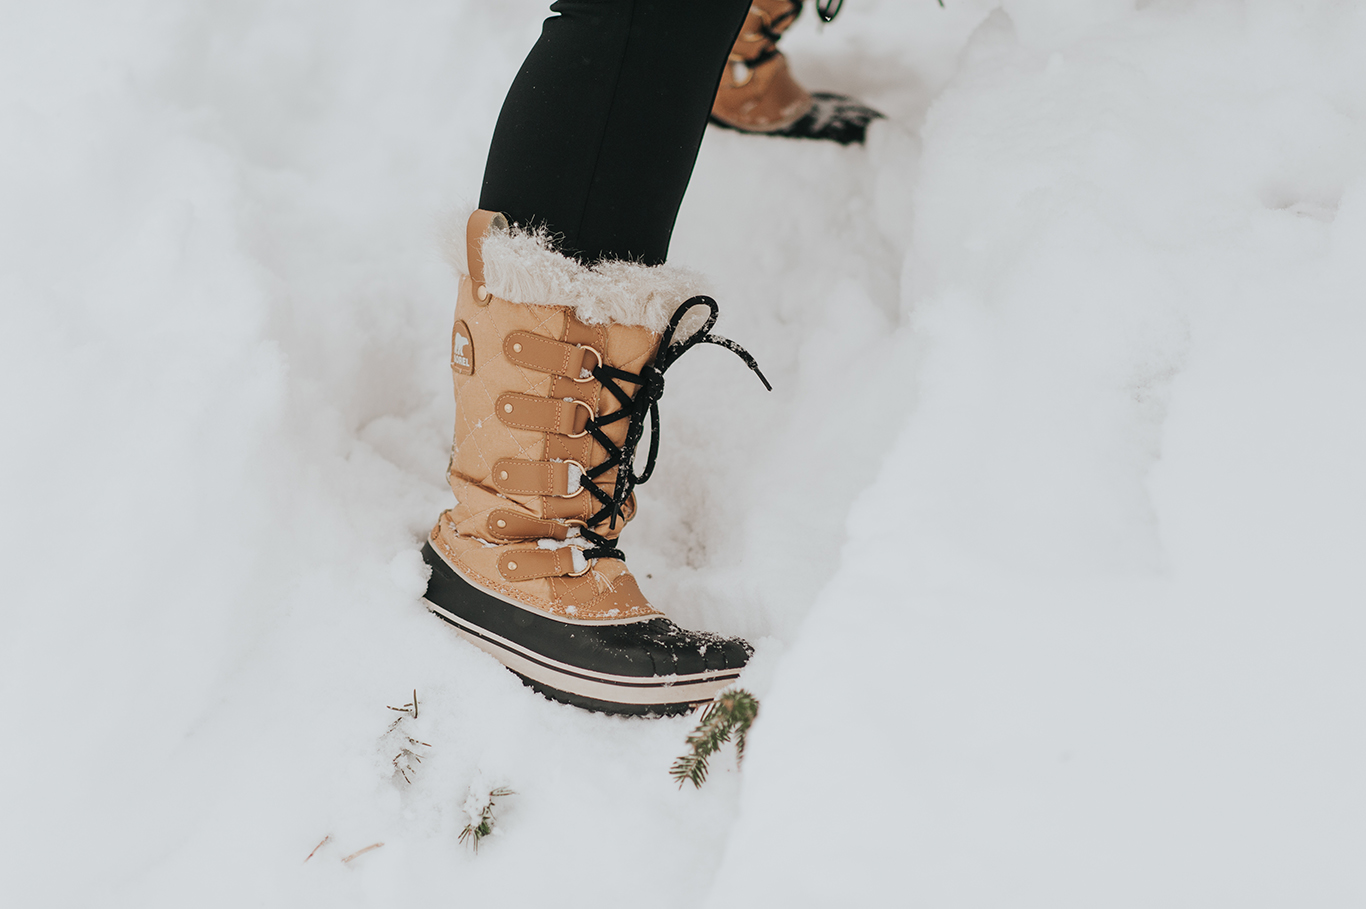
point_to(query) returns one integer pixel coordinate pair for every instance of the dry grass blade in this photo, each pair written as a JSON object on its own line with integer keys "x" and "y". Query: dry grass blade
{"x": 359, "y": 852}
{"x": 321, "y": 843}
{"x": 410, "y": 709}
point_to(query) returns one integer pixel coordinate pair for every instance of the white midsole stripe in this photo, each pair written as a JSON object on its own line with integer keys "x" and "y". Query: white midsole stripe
{"x": 572, "y": 684}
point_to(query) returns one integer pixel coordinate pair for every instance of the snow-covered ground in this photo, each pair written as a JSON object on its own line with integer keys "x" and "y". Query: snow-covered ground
{"x": 1051, "y": 536}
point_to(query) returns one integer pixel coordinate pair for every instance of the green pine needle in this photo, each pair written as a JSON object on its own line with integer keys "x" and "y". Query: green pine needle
{"x": 732, "y": 713}
{"x": 476, "y": 830}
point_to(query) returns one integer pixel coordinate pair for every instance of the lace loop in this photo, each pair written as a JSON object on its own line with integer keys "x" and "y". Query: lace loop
{"x": 771, "y": 29}
{"x": 637, "y": 408}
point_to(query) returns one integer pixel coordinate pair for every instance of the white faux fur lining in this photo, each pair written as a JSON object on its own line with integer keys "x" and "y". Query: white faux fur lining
{"x": 523, "y": 267}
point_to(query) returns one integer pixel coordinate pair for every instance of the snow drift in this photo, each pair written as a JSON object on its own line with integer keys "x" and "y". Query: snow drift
{"x": 1049, "y": 536}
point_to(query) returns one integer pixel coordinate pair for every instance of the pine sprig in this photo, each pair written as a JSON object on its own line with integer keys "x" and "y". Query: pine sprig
{"x": 481, "y": 825}
{"x": 731, "y": 714}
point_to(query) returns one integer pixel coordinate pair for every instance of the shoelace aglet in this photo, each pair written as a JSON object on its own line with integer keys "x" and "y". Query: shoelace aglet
{"x": 740, "y": 352}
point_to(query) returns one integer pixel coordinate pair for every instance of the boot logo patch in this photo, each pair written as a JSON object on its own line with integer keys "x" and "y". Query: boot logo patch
{"x": 462, "y": 349}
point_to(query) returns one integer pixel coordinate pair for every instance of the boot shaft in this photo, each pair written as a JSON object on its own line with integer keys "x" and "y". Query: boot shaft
{"x": 544, "y": 352}
{"x": 524, "y": 395}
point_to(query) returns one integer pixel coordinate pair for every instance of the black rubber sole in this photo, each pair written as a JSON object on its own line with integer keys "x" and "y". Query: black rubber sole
{"x": 596, "y": 706}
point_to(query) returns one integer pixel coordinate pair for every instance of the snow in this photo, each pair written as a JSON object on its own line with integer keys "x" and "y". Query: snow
{"x": 1049, "y": 535}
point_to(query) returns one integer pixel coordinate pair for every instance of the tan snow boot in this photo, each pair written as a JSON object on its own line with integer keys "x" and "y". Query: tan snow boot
{"x": 757, "y": 92}
{"x": 557, "y": 367}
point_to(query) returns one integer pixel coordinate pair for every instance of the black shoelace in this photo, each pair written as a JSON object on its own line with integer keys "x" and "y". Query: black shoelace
{"x": 772, "y": 31}
{"x": 635, "y": 408}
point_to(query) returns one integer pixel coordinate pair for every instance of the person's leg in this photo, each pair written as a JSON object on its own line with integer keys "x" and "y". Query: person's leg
{"x": 600, "y": 130}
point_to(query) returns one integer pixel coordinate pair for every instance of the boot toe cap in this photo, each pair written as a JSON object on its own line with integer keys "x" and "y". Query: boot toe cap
{"x": 653, "y": 665}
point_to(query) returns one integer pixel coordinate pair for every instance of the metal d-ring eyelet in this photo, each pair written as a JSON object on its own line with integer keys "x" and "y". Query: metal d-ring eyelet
{"x": 570, "y": 495}
{"x": 591, "y": 416}
{"x": 588, "y": 378}
{"x": 578, "y": 522}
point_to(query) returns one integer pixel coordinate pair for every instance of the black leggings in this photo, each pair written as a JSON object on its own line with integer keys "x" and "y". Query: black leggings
{"x": 600, "y": 130}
